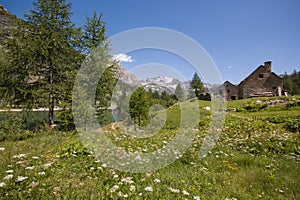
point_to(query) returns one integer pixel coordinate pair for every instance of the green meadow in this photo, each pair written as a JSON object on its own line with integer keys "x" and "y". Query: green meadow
{"x": 257, "y": 156}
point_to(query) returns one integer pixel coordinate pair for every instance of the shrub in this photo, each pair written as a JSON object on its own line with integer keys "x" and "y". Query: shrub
{"x": 292, "y": 125}
{"x": 252, "y": 107}
{"x": 13, "y": 128}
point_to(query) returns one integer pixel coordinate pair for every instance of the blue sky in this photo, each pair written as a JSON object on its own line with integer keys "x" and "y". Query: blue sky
{"x": 239, "y": 35}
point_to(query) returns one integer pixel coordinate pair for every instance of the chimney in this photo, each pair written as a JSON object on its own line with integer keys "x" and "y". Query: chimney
{"x": 268, "y": 66}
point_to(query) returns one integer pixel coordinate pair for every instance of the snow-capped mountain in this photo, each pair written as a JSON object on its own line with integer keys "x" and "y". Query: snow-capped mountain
{"x": 162, "y": 83}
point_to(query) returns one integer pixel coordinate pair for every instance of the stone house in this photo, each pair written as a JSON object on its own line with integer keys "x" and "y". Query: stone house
{"x": 228, "y": 91}
{"x": 261, "y": 82}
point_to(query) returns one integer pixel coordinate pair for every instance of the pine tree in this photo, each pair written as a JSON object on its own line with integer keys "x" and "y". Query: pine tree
{"x": 139, "y": 105}
{"x": 197, "y": 85}
{"x": 179, "y": 92}
{"x": 44, "y": 56}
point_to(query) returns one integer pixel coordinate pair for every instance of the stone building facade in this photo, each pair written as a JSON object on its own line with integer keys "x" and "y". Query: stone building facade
{"x": 261, "y": 82}
{"x": 228, "y": 91}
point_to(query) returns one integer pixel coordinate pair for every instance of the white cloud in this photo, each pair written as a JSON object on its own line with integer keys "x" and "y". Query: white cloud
{"x": 229, "y": 67}
{"x": 123, "y": 58}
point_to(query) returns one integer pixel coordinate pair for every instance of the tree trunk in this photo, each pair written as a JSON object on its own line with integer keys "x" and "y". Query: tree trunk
{"x": 51, "y": 98}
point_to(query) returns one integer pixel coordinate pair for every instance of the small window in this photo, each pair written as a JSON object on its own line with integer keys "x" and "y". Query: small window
{"x": 274, "y": 87}
{"x": 260, "y": 76}
{"x": 228, "y": 91}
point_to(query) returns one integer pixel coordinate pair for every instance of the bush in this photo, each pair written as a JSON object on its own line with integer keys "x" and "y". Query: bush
{"x": 13, "y": 128}
{"x": 292, "y": 125}
{"x": 252, "y": 107}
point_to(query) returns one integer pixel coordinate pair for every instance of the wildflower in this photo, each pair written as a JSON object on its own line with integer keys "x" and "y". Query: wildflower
{"x": 104, "y": 165}
{"x": 2, "y": 184}
{"x": 47, "y": 165}
{"x": 125, "y": 195}
{"x": 127, "y": 180}
{"x": 174, "y": 190}
{"x": 41, "y": 173}
{"x": 35, "y": 157}
{"x": 116, "y": 176}
{"x": 20, "y": 156}
{"x": 148, "y": 189}
{"x": 114, "y": 188}
{"x": 2, "y": 148}
{"x": 19, "y": 162}
{"x": 9, "y": 171}
{"x": 9, "y": 176}
{"x": 185, "y": 192}
{"x": 156, "y": 180}
{"x": 132, "y": 188}
{"x": 29, "y": 167}
{"x": 33, "y": 184}
{"x": 196, "y": 197}
{"x": 21, "y": 178}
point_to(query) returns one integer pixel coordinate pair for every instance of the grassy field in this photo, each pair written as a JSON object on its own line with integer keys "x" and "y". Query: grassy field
{"x": 255, "y": 158}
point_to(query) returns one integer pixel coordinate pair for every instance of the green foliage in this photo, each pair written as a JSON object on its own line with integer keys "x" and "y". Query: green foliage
{"x": 179, "y": 92}
{"x": 139, "y": 105}
{"x": 13, "y": 128}
{"x": 74, "y": 149}
{"x": 197, "y": 85}
{"x": 291, "y": 83}
{"x": 253, "y": 107}
{"x": 42, "y": 58}
{"x": 292, "y": 124}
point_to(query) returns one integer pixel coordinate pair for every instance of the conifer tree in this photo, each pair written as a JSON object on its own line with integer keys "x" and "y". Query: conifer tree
{"x": 197, "y": 85}
{"x": 179, "y": 92}
{"x": 139, "y": 105}
{"x": 44, "y": 57}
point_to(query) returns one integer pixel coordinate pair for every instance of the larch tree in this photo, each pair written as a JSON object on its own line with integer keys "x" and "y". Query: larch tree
{"x": 96, "y": 45}
{"x": 43, "y": 57}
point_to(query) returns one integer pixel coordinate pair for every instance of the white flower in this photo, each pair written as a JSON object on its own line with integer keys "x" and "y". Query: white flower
{"x": 149, "y": 189}
{"x": 132, "y": 188}
{"x": 116, "y": 176}
{"x": 97, "y": 161}
{"x": 156, "y": 180}
{"x": 35, "y": 157}
{"x": 41, "y": 173}
{"x": 2, "y": 184}
{"x": 20, "y": 156}
{"x": 174, "y": 190}
{"x": 21, "y": 178}
{"x": 9, "y": 171}
{"x": 47, "y": 165}
{"x": 19, "y": 162}
{"x": 9, "y": 176}
{"x": 185, "y": 192}
{"x": 29, "y": 167}
{"x": 114, "y": 188}
{"x": 104, "y": 165}
{"x": 2, "y": 148}
{"x": 127, "y": 180}
{"x": 125, "y": 195}
{"x": 196, "y": 197}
